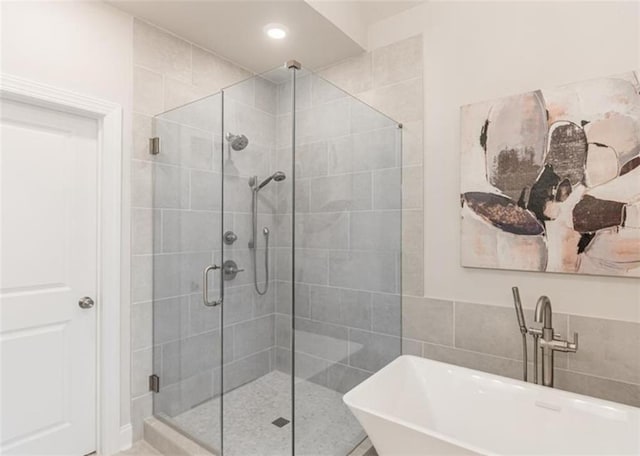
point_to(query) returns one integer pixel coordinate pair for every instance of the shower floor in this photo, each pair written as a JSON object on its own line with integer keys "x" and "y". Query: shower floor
{"x": 324, "y": 425}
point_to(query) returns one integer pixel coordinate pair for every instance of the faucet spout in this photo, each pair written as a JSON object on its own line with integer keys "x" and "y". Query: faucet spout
{"x": 543, "y": 312}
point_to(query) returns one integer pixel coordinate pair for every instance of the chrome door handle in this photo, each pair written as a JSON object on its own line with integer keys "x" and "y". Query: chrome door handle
{"x": 205, "y": 286}
{"x": 86, "y": 303}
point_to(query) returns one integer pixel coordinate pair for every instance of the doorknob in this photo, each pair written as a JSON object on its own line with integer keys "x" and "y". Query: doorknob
{"x": 86, "y": 303}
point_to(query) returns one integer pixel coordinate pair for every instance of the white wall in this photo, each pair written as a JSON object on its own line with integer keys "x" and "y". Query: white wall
{"x": 475, "y": 51}
{"x": 85, "y": 47}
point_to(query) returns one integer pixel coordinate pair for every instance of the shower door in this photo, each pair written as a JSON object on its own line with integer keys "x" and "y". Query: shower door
{"x": 185, "y": 212}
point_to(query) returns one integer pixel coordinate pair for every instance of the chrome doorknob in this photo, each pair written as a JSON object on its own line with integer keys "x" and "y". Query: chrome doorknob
{"x": 86, "y": 303}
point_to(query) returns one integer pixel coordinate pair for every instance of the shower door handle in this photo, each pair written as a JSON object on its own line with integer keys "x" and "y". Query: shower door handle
{"x": 205, "y": 286}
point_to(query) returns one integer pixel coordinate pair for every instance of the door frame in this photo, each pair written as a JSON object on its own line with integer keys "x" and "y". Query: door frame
{"x": 109, "y": 437}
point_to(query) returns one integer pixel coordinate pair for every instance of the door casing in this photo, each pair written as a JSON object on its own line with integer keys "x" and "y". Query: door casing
{"x": 111, "y": 438}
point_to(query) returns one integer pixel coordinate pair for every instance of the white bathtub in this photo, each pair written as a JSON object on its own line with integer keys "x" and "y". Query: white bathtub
{"x": 416, "y": 406}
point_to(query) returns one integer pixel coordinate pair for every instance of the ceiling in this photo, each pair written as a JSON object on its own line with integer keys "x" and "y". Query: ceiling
{"x": 234, "y": 28}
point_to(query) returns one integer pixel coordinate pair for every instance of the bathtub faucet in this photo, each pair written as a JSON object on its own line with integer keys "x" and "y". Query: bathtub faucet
{"x": 549, "y": 341}
{"x": 544, "y": 337}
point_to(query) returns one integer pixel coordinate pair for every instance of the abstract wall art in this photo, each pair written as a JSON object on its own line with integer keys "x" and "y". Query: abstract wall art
{"x": 550, "y": 179}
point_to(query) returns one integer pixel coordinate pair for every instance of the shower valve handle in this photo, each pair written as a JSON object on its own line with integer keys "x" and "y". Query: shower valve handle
{"x": 230, "y": 269}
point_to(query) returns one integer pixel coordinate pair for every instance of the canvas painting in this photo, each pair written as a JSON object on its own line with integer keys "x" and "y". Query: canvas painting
{"x": 551, "y": 179}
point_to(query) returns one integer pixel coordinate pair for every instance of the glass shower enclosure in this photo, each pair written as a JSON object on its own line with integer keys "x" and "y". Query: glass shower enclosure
{"x": 276, "y": 269}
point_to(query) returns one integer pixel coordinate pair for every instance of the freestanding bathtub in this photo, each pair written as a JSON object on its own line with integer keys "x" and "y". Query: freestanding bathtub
{"x": 415, "y": 406}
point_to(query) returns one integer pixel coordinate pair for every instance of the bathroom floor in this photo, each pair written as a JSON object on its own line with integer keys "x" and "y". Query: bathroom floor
{"x": 324, "y": 425}
{"x": 140, "y": 448}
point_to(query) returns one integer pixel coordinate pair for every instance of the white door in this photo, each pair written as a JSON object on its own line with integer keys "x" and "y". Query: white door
{"x": 48, "y": 249}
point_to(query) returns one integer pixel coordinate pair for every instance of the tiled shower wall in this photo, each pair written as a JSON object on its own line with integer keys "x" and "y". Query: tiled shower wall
{"x": 347, "y": 232}
{"x": 187, "y": 229}
{"x": 484, "y": 337}
{"x": 168, "y": 72}
{"x": 390, "y": 79}
{"x": 249, "y": 318}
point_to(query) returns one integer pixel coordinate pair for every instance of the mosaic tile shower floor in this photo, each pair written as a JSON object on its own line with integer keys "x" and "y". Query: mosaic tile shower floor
{"x": 324, "y": 425}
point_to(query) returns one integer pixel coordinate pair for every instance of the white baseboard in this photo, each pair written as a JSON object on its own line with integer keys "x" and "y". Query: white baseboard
{"x": 126, "y": 437}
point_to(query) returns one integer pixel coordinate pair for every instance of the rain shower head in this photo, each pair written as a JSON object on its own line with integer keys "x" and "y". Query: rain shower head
{"x": 278, "y": 176}
{"x": 237, "y": 142}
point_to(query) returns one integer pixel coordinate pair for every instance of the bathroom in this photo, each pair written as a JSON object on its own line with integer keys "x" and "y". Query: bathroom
{"x": 266, "y": 227}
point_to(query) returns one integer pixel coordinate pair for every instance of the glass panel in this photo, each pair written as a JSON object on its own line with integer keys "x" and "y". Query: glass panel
{"x": 348, "y": 211}
{"x": 186, "y": 216}
{"x": 257, "y": 386}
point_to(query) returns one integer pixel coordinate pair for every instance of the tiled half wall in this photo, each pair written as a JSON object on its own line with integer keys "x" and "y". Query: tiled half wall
{"x": 487, "y": 338}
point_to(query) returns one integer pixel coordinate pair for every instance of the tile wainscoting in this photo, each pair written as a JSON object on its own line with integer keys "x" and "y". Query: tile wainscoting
{"x": 487, "y": 338}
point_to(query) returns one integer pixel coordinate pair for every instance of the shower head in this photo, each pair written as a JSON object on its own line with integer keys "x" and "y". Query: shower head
{"x": 278, "y": 176}
{"x": 237, "y": 142}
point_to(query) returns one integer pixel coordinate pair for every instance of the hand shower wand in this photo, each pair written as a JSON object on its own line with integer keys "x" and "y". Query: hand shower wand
{"x": 523, "y": 330}
{"x": 278, "y": 176}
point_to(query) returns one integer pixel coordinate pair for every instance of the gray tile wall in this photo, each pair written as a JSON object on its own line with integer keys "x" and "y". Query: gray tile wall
{"x": 249, "y": 317}
{"x": 169, "y": 72}
{"x": 390, "y": 79}
{"x": 487, "y": 338}
{"x": 352, "y": 197}
{"x": 348, "y": 228}
{"x": 189, "y": 239}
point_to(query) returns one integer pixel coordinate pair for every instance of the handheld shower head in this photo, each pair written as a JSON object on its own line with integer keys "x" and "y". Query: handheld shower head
{"x": 519, "y": 313}
{"x": 237, "y": 142}
{"x": 278, "y": 176}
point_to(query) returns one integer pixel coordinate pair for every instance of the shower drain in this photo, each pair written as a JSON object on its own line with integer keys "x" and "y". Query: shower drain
{"x": 280, "y": 422}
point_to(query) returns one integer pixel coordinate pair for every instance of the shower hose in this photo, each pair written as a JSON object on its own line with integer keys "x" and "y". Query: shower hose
{"x": 266, "y": 265}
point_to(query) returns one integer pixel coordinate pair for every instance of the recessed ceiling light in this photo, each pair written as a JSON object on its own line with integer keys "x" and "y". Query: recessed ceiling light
{"x": 276, "y": 31}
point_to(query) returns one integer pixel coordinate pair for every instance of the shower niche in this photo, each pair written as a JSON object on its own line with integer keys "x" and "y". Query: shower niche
{"x": 276, "y": 267}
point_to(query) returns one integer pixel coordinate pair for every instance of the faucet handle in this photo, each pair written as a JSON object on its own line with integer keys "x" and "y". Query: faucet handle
{"x": 564, "y": 345}
{"x": 535, "y": 329}
{"x": 573, "y": 345}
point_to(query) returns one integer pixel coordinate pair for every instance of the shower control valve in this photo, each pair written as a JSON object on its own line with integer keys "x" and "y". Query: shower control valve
{"x": 230, "y": 237}
{"x": 230, "y": 270}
